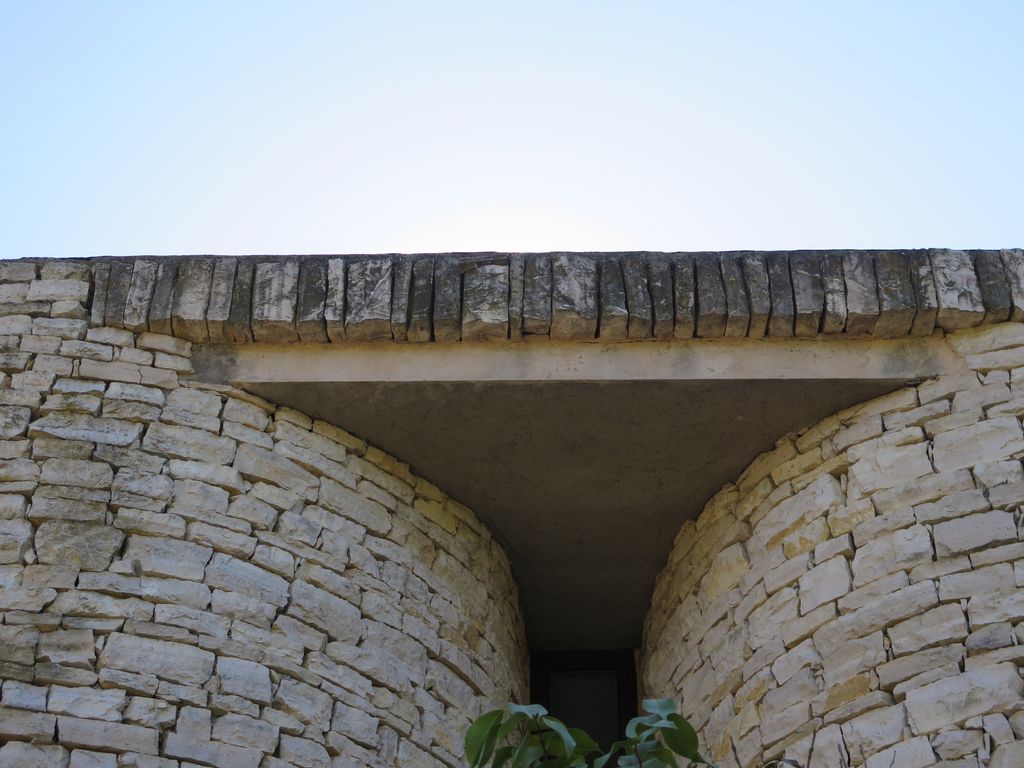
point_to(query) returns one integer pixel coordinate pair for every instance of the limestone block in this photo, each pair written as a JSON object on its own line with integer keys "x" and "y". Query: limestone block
{"x": 725, "y": 572}
{"x": 335, "y": 616}
{"x": 230, "y": 573}
{"x": 485, "y": 303}
{"x": 247, "y": 679}
{"x": 888, "y": 466}
{"x": 275, "y": 297}
{"x": 89, "y": 703}
{"x": 991, "y": 608}
{"x": 574, "y": 297}
{"x": 368, "y": 300}
{"x": 1008, "y": 755}
{"x": 303, "y": 701}
{"x": 448, "y": 298}
{"x": 982, "y": 442}
{"x": 158, "y": 556}
{"x": 874, "y": 730}
{"x": 712, "y": 312}
{"x": 86, "y": 545}
{"x": 19, "y": 754}
{"x": 899, "y": 550}
{"x": 915, "y": 753}
{"x": 938, "y": 626}
{"x": 71, "y": 647}
{"x": 74, "y": 732}
{"x": 659, "y": 280}
{"x": 86, "y": 474}
{"x": 172, "y": 661}
{"x": 537, "y": 285}
{"x": 957, "y": 290}
{"x": 401, "y": 299}
{"x": 84, "y": 758}
{"x": 75, "y": 426}
{"x": 58, "y": 290}
{"x": 421, "y": 302}
{"x": 187, "y": 443}
{"x": 685, "y": 293}
{"x": 826, "y": 582}
{"x": 218, "y": 311}
{"x": 243, "y": 731}
{"x": 901, "y": 604}
{"x": 805, "y": 271}
{"x": 972, "y": 532}
{"x": 953, "y": 700}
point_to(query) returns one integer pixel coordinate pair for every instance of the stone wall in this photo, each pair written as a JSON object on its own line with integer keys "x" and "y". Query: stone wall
{"x": 567, "y": 296}
{"x": 192, "y": 576}
{"x": 856, "y": 597}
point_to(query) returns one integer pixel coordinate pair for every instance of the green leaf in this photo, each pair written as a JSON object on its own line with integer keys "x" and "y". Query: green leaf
{"x": 480, "y": 737}
{"x": 530, "y": 710}
{"x": 558, "y": 727}
{"x": 663, "y": 707}
{"x": 683, "y": 739}
{"x": 584, "y": 744}
{"x": 502, "y": 756}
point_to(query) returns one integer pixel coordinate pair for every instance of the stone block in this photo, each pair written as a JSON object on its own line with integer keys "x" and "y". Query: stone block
{"x": 965, "y": 534}
{"x": 953, "y": 700}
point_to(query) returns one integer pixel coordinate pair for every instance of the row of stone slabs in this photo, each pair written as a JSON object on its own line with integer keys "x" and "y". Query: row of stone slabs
{"x": 571, "y": 296}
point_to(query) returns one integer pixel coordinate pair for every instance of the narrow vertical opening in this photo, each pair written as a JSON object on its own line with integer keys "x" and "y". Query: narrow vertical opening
{"x": 592, "y": 690}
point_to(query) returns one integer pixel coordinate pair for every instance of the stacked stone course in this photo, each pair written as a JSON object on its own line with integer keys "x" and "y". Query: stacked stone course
{"x": 856, "y": 597}
{"x": 191, "y": 576}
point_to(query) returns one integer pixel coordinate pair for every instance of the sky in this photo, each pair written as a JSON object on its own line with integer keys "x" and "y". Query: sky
{"x": 225, "y": 127}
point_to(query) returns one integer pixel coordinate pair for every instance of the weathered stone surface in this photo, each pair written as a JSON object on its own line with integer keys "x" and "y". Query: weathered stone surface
{"x": 834, "y": 288}
{"x": 614, "y": 315}
{"x": 190, "y": 299}
{"x": 977, "y": 443}
{"x": 448, "y": 298}
{"x": 88, "y": 546}
{"x": 368, "y": 300}
{"x": 247, "y": 679}
{"x": 712, "y": 312}
{"x": 239, "y": 324}
{"x": 974, "y": 532}
{"x": 737, "y": 302}
{"x": 140, "y": 295}
{"x": 896, "y": 302}
{"x": 659, "y": 280}
{"x": 537, "y": 284}
{"x": 421, "y": 310}
{"x": 74, "y": 732}
{"x": 100, "y": 281}
{"x": 218, "y": 312}
{"x": 188, "y": 443}
{"x": 337, "y": 617}
{"x": 401, "y": 299}
{"x": 957, "y": 291}
{"x": 861, "y": 293}
{"x": 172, "y": 661}
{"x": 274, "y": 301}
{"x": 574, "y": 297}
{"x": 485, "y": 303}
{"x": 899, "y": 550}
{"x": 808, "y": 292}
{"x": 117, "y": 292}
{"x": 516, "y": 286}
{"x": 75, "y": 426}
{"x": 783, "y": 311}
{"x": 953, "y": 700}
{"x": 755, "y": 275}
{"x": 993, "y": 284}
{"x": 638, "y": 297}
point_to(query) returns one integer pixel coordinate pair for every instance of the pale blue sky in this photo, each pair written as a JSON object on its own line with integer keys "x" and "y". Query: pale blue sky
{"x": 327, "y": 127}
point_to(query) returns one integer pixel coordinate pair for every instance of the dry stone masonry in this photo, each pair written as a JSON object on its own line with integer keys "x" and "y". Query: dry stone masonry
{"x": 856, "y": 597}
{"x": 190, "y": 576}
{"x": 568, "y": 296}
{"x": 193, "y": 576}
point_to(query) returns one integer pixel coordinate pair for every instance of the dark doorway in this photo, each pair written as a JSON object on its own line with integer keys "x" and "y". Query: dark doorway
{"x": 592, "y": 690}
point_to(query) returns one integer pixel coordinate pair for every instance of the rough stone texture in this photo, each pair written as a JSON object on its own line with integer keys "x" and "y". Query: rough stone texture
{"x": 274, "y": 299}
{"x": 212, "y": 580}
{"x": 628, "y": 296}
{"x": 368, "y": 300}
{"x": 851, "y": 602}
{"x": 574, "y": 297}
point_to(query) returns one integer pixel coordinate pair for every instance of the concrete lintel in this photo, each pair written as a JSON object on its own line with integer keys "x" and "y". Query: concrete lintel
{"x": 904, "y": 359}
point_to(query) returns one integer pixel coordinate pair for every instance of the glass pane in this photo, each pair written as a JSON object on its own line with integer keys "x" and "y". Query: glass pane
{"x": 588, "y": 700}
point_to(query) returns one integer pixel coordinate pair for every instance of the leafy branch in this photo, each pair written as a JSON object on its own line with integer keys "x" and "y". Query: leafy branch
{"x": 526, "y": 736}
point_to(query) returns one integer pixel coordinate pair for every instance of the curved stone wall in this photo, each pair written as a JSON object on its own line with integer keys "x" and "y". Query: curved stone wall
{"x": 856, "y": 597}
{"x": 189, "y": 572}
